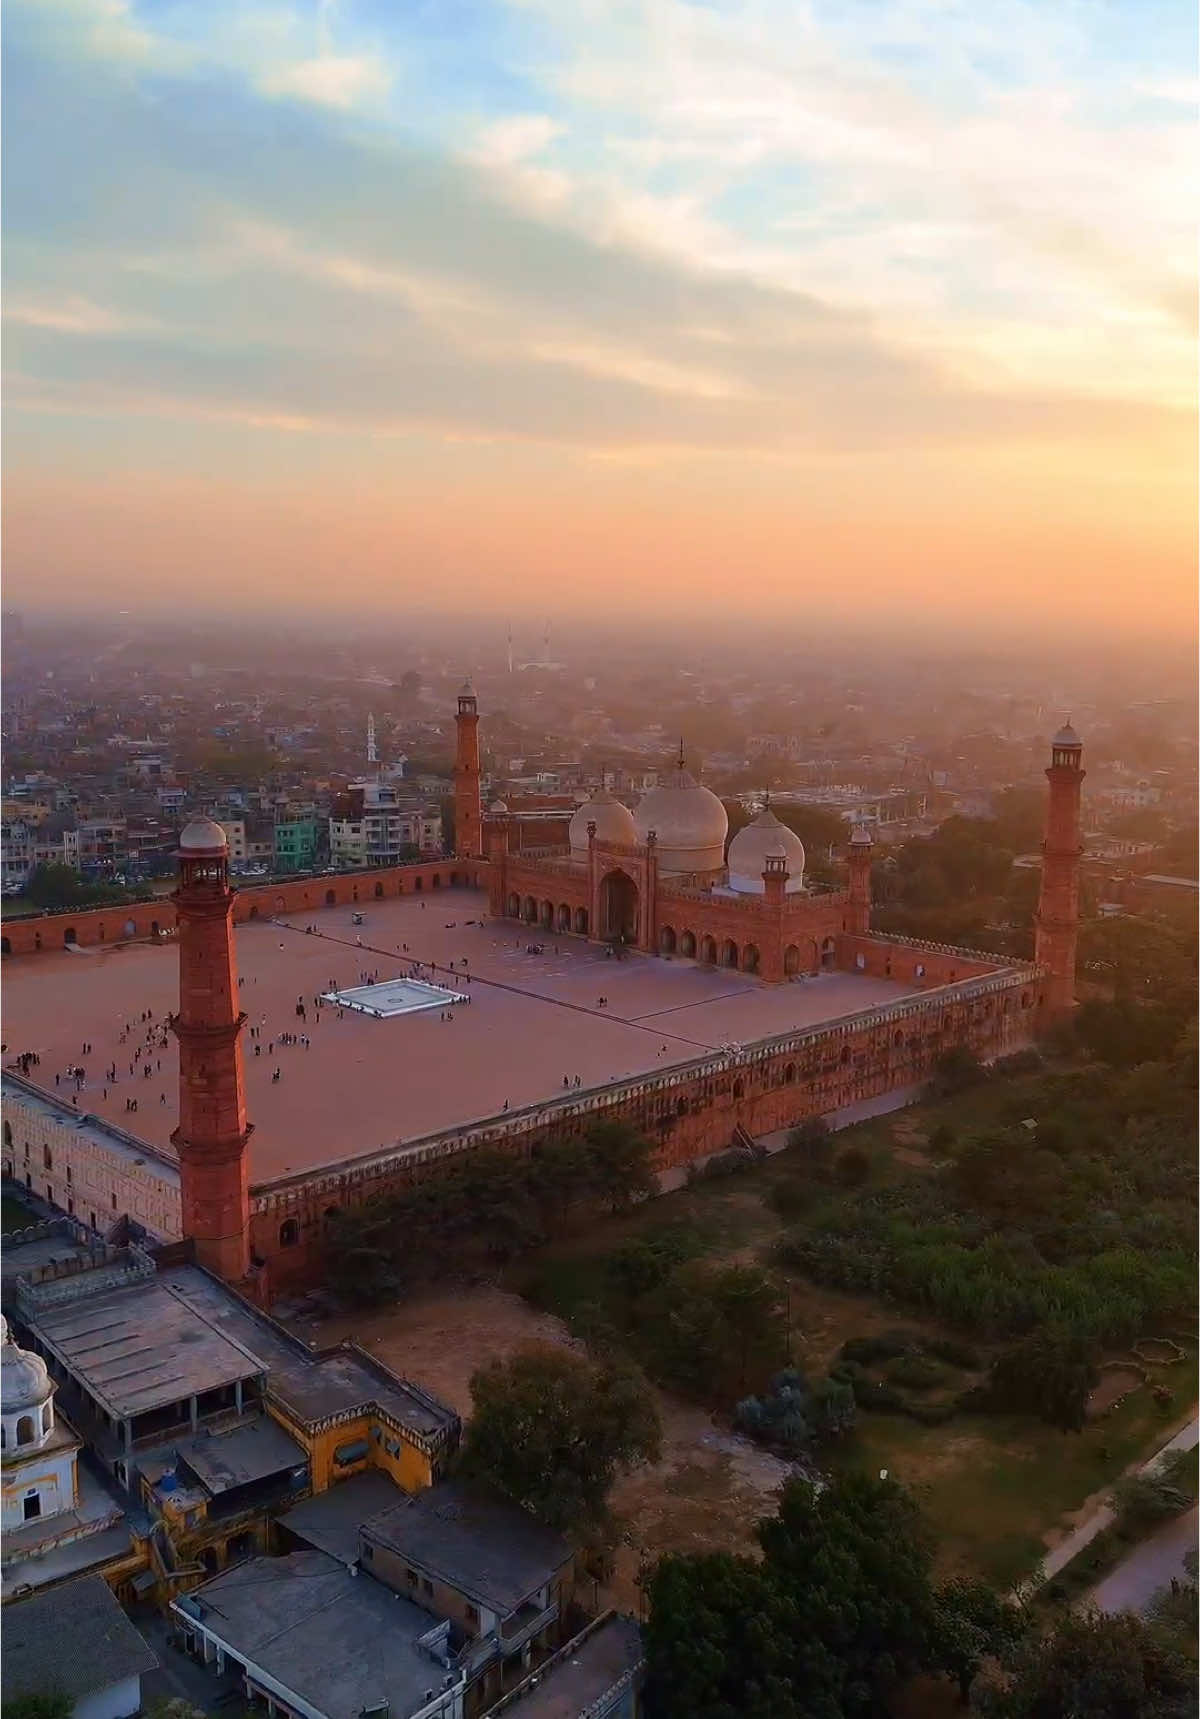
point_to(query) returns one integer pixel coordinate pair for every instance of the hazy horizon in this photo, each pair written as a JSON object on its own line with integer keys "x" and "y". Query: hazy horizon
{"x": 832, "y": 317}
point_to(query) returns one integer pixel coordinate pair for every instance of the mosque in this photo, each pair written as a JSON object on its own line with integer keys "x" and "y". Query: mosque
{"x": 658, "y": 879}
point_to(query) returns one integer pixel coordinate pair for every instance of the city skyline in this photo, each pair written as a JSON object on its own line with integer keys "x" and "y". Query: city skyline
{"x": 832, "y": 312}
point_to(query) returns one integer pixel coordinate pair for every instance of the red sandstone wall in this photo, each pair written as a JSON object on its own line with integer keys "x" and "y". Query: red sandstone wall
{"x": 153, "y": 918}
{"x": 921, "y": 965}
{"x": 688, "y": 1113}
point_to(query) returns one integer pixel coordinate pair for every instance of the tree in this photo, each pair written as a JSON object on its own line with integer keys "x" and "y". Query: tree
{"x": 720, "y": 1642}
{"x": 1096, "y": 1666}
{"x": 40, "y": 1704}
{"x": 61, "y": 886}
{"x": 839, "y": 1613}
{"x": 551, "y": 1431}
{"x": 716, "y": 1330}
{"x": 1051, "y": 1374}
{"x": 620, "y": 1164}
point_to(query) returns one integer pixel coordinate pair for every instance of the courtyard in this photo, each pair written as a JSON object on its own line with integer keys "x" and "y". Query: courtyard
{"x": 543, "y": 1015}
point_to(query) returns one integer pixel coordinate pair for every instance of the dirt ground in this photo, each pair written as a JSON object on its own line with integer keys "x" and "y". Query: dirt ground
{"x": 706, "y": 1494}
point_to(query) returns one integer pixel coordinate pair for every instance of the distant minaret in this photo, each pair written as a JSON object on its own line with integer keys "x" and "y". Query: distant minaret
{"x": 510, "y": 648}
{"x": 468, "y": 808}
{"x": 372, "y": 753}
{"x": 1057, "y": 924}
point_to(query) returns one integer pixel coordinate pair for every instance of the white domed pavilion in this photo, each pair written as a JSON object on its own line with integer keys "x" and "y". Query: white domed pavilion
{"x": 765, "y": 838}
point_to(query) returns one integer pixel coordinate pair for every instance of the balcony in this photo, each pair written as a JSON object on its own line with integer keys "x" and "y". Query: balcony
{"x": 522, "y": 1625}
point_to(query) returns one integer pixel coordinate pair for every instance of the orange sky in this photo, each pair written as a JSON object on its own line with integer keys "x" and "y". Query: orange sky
{"x": 882, "y": 312}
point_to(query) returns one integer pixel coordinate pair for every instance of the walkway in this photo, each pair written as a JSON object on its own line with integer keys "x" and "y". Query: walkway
{"x": 1149, "y": 1568}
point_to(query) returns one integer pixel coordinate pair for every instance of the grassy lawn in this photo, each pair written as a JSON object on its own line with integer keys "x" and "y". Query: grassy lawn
{"x": 993, "y": 1487}
{"x": 13, "y": 1215}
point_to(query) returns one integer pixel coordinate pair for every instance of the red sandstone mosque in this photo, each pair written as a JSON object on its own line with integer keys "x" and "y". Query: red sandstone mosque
{"x": 657, "y": 881}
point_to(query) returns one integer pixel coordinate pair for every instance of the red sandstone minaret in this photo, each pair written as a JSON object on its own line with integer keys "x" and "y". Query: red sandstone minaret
{"x": 1058, "y": 905}
{"x": 213, "y": 1131}
{"x": 468, "y": 811}
{"x": 859, "y": 862}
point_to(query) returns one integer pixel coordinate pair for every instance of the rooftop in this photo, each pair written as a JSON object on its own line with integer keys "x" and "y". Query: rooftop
{"x": 478, "y": 1545}
{"x": 184, "y": 1332}
{"x": 225, "y": 1458}
{"x": 583, "y": 1672}
{"x": 104, "y": 1647}
{"x": 330, "y": 1520}
{"x": 533, "y": 1020}
{"x": 338, "y": 1644}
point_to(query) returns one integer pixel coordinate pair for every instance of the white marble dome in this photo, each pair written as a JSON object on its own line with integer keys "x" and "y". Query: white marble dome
{"x": 688, "y": 821}
{"x": 750, "y": 849}
{"x": 203, "y": 836}
{"x": 614, "y": 823}
{"x": 1066, "y": 736}
{"x": 24, "y": 1380}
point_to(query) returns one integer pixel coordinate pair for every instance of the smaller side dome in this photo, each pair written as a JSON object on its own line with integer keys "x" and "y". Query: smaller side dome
{"x": 498, "y": 808}
{"x": 765, "y": 838}
{"x": 203, "y": 836}
{"x": 614, "y": 823}
{"x": 24, "y": 1379}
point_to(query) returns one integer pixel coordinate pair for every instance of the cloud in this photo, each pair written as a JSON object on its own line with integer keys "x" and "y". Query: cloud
{"x": 330, "y": 80}
{"x": 509, "y": 141}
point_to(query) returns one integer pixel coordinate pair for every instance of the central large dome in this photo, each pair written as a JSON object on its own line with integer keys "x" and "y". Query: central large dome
{"x": 689, "y": 822}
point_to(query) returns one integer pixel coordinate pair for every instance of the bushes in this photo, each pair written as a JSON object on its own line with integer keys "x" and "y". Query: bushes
{"x": 481, "y": 1211}
{"x": 794, "y": 1415}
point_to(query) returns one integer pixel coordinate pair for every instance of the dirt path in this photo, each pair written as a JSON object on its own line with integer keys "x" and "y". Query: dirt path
{"x": 706, "y": 1494}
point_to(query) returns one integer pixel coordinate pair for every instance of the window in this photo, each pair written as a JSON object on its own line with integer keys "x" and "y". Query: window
{"x": 413, "y": 1578}
{"x": 32, "y": 1506}
{"x": 289, "y": 1233}
{"x": 70, "y": 1178}
{"x": 47, "y": 1158}
{"x": 368, "y": 1553}
{"x": 426, "y": 1585}
{"x": 114, "y": 1202}
{"x": 473, "y": 1616}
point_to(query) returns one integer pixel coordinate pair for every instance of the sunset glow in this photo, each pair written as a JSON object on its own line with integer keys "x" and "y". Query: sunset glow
{"x": 839, "y": 307}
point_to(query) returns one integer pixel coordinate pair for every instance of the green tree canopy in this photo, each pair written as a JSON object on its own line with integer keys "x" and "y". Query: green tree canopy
{"x": 839, "y": 1613}
{"x": 1096, "y": 1666}
{"x": 552, "y": 1431}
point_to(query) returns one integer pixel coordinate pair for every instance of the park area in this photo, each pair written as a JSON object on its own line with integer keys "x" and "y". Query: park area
{"x": 906, "y": 1269}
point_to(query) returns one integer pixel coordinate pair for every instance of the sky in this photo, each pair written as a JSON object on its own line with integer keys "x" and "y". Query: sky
{"x": 845, "y": 311}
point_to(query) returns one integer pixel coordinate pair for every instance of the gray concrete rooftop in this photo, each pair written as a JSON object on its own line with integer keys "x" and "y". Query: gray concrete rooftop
{"x": 341, "y": 1644}
{"x": 581, "y": 1675}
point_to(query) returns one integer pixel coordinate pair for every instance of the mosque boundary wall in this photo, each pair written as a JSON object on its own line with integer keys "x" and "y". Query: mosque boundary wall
{"x": 141, "y": 920}
{"x": 689, "y": 1111}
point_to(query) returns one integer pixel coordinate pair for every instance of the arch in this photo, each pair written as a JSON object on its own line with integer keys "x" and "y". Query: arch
{"x": 828, "y": 954}
{"x": 750, "y": 958}
{"x": 739, "y": 1089}
{"x": 418, "y": 885}
{"x": 666, "y": 940}
{"x": 581, "y": 921}
{"x": 708, "y": 949}
{"x": 330, "y": 897}
{"x": 379, "y": 892}
{"x": 681, "y": 1107}
{"x": 513, "y": 907}
{"x": 897, "y": 1037}
{"x": 280, "y": 904}
{"x": 154, "y": 928}
{"x": 37, "y": 939}
{"x": 546, "y": 915}
{"x": 791, "y": 961}
{"x": 563, "y": 919}
{"x": 455, "y": 880}
{"x": 100, "y": 936}
{"x": 69, "y": 937}
{"x": 254, "y": 910}
{"x": 436, "y": 880}
{"x": 619, "y": 904}
{"x": 5, "y": 946}
{"x": 8, "y": 1138}
{"x": 845, "y": 1056}
{"x": 47, "y": 1158}
{"x": 25, "y": 1430}
{"x": 529, "y": 913}
{"x": 729, "y": 953}
{"x": 789, "y": 1074}
{"x": 289, "y": 1232}
{"x": 687, "y": 944}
